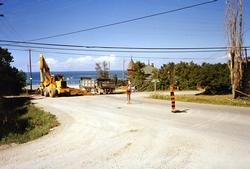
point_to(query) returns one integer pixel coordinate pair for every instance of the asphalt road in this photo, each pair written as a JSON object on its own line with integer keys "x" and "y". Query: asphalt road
{"x": 104, "y": 132}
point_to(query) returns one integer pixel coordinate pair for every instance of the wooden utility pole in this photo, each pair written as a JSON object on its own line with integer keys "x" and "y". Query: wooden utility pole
{"x": 123, "y": 66}
{"x": 30, "y": 70}
{"x": 234, "y": 35}
{"x": 109, "y": 75}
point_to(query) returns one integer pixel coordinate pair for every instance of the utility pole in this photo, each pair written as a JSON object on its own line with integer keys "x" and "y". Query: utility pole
{"x": 123, "y": 72}
{"x": 109, "y": 71}
{"x": 246, "y": 56}
{"x": 30, "y": 70}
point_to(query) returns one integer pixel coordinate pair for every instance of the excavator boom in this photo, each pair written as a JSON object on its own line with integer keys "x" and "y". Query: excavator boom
{"x": 45, "y": 76}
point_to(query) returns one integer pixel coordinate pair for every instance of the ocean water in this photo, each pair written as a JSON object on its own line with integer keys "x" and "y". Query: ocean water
{"x": 73, "y": 77}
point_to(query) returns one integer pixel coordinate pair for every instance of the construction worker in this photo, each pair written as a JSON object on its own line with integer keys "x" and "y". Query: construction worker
{"x": 129, "y": 90}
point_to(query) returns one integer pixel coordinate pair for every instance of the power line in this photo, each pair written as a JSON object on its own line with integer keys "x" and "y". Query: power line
{"x": 12, "y": 29}
{"x": 118, "y": 51}
{"x": 125, "y": 21}
{"x": 63, "y": 53}
{"x": 4, "y": 31}
{"x": 119, "y": 47}
{"x": 128, "y": 56}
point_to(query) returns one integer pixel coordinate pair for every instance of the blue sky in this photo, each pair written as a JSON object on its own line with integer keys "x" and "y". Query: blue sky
{"x": 197, "y": 27}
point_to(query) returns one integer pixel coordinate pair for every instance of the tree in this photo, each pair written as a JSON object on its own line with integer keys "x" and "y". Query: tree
{"x": 137, "y": 77}
{"x": 215, "y": 78}
{"x": 234, "y": 34}
{"x": 102, "y": 70}
{"x": 11, "y": 80}
{"x": 164, "y": 75}
{"x": 187, "y": 75}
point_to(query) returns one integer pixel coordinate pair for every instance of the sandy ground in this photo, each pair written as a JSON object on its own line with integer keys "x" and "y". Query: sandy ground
{"x": 104, "y": 132}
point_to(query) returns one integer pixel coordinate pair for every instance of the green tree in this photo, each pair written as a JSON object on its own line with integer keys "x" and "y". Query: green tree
{"x": 11, "y": 80}
{"x": 102, "y": 70}
{"x": 215, "y": 78}
{"x": 137, "y": 78}
{"x": 164, "y": 76}
{"x": 187, "y": 75}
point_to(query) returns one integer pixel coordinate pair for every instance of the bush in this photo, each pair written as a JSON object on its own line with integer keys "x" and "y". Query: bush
{"x": 11, "y": 80}
{"x": 217, "y": 90}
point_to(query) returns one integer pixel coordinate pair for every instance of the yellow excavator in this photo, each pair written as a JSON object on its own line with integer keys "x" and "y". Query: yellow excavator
{"x": 51, "y": 85}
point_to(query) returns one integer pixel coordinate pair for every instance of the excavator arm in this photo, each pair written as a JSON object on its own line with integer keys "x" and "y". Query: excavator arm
{"x": 45, "y": 76}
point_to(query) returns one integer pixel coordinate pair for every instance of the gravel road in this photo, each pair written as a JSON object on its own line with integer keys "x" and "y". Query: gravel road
{"x": 104, "y": 132}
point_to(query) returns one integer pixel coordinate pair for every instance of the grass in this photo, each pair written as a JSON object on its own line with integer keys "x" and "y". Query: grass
{"x": 21, "y": 121}
{"x": 207, "y": 99}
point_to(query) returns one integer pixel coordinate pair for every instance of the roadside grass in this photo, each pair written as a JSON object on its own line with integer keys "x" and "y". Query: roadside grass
{"x": 207, "y": 99}
{"x": 21, "y": 121}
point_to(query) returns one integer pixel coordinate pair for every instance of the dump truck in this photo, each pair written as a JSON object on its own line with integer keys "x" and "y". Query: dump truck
{"x": 98, "y": 86}
{"x": 52, "y": 84}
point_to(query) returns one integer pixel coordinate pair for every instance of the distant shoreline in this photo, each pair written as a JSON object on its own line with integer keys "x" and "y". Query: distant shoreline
{"x": 73, "y": 77}
{"x": 56, "y": 71}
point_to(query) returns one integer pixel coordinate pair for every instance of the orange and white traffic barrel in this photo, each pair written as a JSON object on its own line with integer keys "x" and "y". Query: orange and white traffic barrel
{"x": 172, "y": 98}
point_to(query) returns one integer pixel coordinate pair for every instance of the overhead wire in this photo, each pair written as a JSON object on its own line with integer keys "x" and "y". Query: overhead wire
{"x": 124, "y": 21}
{"x": 116, "y": 47}
{"x": 12, "y": 29}
{"x": 127, "y": 56}
{"x": 3, "y": 31}
{"x": 117, "y": 51}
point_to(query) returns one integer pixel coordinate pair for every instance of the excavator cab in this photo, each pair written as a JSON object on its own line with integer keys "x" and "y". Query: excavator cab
{"x": 59, "y": 79}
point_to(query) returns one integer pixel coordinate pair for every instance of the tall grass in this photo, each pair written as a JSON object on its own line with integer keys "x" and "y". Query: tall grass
{"x": 21, "y": 121}
{"x": 207, "y": 99}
